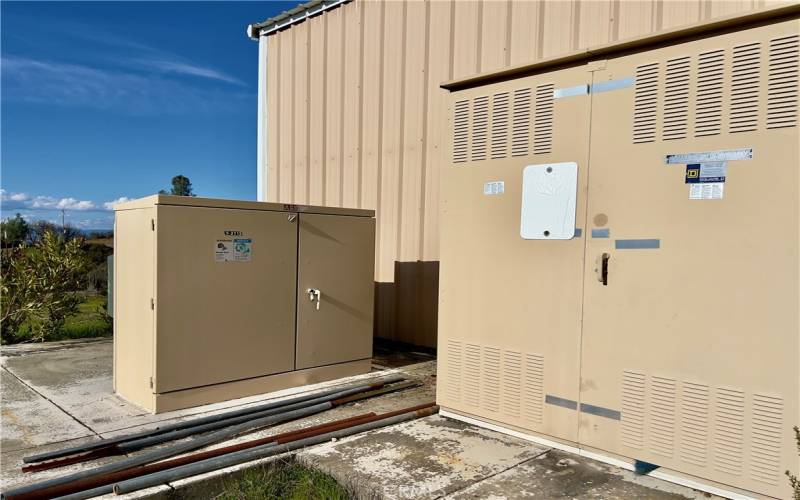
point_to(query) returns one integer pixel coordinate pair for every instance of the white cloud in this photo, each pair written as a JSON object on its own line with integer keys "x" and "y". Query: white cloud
{"x": 109, "y": 205}
{"x": 23, "y": 201}
{"x": 186, "y": 68}
{"x": 77, "y": 85}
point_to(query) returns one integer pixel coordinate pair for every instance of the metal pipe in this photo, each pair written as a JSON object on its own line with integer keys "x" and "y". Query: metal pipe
{"x": 103, "y": 484}
{"x": 42, "y": 489}
{"x": 199, "y": 421}
{"x": 129, "y": 446}
{"x": 71, "y": 483}
{"x": 259, "y": 452}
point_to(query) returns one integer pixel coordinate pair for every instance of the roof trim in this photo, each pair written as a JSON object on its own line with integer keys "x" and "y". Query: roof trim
{"x": 291, "y": 16}
{"x": 630, "y": 44}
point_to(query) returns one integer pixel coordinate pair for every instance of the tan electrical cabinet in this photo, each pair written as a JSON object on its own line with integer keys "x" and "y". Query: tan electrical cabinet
{"x": 218, "y": 299}
{"x": 621, "y": 257}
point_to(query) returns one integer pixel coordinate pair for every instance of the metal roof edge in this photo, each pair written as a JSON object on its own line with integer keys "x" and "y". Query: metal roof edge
{"x": 583, "y": 55}
{"x": 291, "y": 16}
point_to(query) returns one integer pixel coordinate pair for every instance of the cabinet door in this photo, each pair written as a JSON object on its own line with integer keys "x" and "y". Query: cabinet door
{"x": 226, "y": 295}
{"x": 511, "y": 276}
{"x": 689, "y": 350}
{"x": 336, "y": 270}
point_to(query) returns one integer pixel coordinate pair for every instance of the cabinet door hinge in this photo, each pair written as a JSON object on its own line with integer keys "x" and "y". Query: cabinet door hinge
{"x": 152, "y": 224}
{"x": 152, "y": 303}
{"x": 151, "y": 382}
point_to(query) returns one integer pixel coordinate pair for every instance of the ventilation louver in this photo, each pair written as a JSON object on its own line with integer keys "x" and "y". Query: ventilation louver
{"x": 460, "y": 131}
{"x": 480, "y": 127}
{"x": 500, "y": 125}
{"x": 676, "y": 99}
{"x": 521, "y": 122}
{"x": 645, "y": 103}
{"x": 783, "y": 80}
{"x": 543, "y": 122}
{"x": 745, "y": 81}
{"x": 708, "y": 103}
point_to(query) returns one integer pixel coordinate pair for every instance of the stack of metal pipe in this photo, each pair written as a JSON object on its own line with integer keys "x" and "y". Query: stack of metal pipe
{"x": 153, "y": 468}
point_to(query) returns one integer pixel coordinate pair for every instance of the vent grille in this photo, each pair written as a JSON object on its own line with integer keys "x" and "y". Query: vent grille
{"x": 694, "y": 424}
{"x": 460, "y": 131}
{"x": 729, "y": 430}
{"x": 676, "y": 99}
{"x": 783, "y": 80}
{"x": 500, "y": 126}
{"x": 745, "y": 78}
{"x": 708, "y": 104}
{"x": 765, "y": 448}
{"x": 533, "y": 388}
{"x": 662, "y": 416}
{"x": 645, "y": 103}
{"x": 511, "y": 387}
{"x": 472, "y": 374}
{"x": 452, "y": 385}
{"x": 521, "y": 122}
{"x": 480, "y": 127}
{"x": 543, "y": 123}
{"x": 633, "y": 412}
{"x": 490, "y": 380}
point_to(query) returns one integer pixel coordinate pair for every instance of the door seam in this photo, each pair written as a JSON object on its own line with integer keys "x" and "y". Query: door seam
{"x": 584, "y": 279}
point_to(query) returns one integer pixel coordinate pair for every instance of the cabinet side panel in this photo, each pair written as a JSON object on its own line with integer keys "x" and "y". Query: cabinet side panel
{"x": 133, "y": 317}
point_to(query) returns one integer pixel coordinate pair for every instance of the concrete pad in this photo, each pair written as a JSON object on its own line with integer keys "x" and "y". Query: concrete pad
{"x": 29, "y": 420}
{"x": 556, "y": 474}
{"x": 426, "y": 458}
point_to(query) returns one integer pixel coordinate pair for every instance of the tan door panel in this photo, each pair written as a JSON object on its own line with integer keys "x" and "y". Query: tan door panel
{"x": 690, "y": 347}
{"x": 510, "y": 307}
{"x": 336, "y": 266}
{"x": 223, "y": 316}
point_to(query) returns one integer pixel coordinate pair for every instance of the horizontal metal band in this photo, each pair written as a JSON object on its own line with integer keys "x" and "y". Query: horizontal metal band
{"x": 601, "y": 233}
{"x": 634, "y": 244}
{"x": 578, "y": 232}
{"x": 708, "y": 156}
{"x": 601, "y": 412}
{"x": 563, "y": 402}
{"x": 613, "y": 85}
{"x": 571, "y": 91}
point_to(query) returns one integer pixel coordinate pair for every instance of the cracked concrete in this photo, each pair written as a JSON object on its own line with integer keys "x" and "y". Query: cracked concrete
{"x": 59, "y": 394}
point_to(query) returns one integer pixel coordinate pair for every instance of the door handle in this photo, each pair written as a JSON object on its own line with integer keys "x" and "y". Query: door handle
{"x": 602, "y": 271}
{"x": 314, "y": 295}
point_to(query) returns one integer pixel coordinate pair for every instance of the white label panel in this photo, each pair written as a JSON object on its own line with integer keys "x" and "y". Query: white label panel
{"x": 710, "y": 191}
{"x": 548, "y": 201}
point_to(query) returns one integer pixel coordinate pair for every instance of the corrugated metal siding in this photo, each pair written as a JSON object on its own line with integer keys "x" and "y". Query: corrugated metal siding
{"x": 357, "y": 118}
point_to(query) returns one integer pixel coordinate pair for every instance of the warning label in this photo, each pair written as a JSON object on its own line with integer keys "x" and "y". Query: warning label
{"x": 223, "y": 250}
{"x": 706, "y": 191}
{"x": 241, "y": 250}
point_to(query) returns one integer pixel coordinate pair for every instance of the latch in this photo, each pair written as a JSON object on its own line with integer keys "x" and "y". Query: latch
{"x": 314, "y": 295}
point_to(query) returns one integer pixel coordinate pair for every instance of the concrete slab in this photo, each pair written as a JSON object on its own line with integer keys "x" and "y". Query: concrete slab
{"x": 426, "y": 458}
{"x": 30, "y": 420}
{"x": 560, "y": 475}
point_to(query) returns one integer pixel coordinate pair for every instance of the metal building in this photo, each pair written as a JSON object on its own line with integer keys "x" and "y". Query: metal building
{"x": 351, "y": 113}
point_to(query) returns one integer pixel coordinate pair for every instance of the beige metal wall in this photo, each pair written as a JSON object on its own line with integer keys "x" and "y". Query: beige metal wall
{"x": 356, "y": 118}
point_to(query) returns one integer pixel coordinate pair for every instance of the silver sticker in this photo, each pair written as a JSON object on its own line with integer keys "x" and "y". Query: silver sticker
{"x": 708, "y": 156}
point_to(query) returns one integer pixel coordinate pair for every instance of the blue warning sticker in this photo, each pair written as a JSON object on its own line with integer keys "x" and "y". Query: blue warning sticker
{"x": 706, "y": 173}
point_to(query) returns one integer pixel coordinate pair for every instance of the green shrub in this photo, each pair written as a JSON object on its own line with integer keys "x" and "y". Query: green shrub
{"x": 284, "y": 480}
{"x": 40, "y": 287}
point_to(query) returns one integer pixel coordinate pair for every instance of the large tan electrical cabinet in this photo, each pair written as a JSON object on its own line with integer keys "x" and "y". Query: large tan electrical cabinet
{"x": 620, "y": 256}
{"x": 218, "y": 299}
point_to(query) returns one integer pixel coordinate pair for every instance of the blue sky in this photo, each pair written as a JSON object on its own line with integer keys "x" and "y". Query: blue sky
{"x": 109, "y": 100}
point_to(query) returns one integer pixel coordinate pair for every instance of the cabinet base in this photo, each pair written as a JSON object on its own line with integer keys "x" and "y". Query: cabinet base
{"x": 187, "y": 398}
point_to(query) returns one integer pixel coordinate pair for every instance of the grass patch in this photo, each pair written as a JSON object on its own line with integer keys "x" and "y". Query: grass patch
{"x": 283, "y": 479}
{"x": 90, "y": 321}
